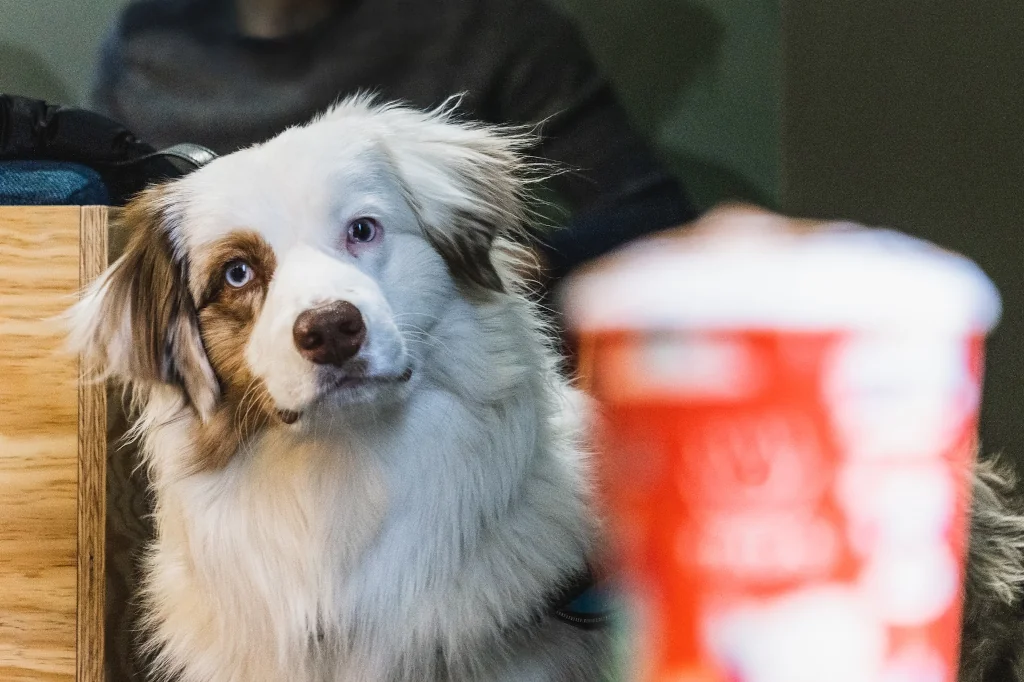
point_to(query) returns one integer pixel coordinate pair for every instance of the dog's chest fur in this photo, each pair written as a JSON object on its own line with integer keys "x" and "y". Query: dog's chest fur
{"x": 254, "y": 553}
{"x": 377, "y": 556}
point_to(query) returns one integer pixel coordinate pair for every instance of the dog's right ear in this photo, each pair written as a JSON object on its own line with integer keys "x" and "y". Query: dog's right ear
{"x": 138, "y": 322}
{"x": 467, "y": 183}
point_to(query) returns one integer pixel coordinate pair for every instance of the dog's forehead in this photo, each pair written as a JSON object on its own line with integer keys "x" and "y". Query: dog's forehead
{"x": 289, "y": 190}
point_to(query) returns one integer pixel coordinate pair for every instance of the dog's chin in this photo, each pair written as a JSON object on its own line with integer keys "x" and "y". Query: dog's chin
{"x": 350, "y": 391}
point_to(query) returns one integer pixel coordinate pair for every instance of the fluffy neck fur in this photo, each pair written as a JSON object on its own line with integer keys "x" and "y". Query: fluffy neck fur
{"x": 385, "y": 544}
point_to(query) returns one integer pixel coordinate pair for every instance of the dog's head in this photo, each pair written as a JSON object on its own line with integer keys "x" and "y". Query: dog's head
{"x": 291, "y": 278}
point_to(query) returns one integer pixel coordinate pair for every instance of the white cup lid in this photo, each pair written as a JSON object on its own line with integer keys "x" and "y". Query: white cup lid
{"x": 752, "y": 269}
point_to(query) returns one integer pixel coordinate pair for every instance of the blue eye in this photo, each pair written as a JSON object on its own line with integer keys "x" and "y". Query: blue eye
{"x": 363, "y": 230}
{"x": 238, "y": 274}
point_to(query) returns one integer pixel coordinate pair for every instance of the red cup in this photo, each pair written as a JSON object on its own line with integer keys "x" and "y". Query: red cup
{"x": 786, "y": 423}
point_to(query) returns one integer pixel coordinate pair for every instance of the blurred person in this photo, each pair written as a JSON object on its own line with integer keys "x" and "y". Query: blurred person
{"x": 230, "y": 73}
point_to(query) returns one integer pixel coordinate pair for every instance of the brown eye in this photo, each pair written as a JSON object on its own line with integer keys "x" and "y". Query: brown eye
{"x": 238, "y": 273}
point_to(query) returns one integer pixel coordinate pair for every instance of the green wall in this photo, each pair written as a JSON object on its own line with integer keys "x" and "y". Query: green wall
{"x": 703, "y": 79}
{"x": 48, "y": 47}
{"x": 700, "y": 77}
{"x": 910, "y": 115}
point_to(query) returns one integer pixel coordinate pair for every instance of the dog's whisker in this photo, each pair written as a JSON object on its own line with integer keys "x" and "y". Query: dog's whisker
{"x": 427, "y": 338}
{"x": 399, "y": 316}
{"x": 250, "y": 400}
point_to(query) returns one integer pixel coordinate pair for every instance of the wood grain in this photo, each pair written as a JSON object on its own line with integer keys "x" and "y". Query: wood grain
{"x": 92, "y": 463}
{"x": 39, "y": 275}
{"x": 52, "y": 461}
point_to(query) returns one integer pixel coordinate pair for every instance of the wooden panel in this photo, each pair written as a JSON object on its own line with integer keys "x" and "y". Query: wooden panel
{"x": 92, "y": 468}
{"x": 40, "y": 272}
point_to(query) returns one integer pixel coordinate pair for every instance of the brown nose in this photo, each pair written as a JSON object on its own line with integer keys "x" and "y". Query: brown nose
{"x": 330, "y": 334}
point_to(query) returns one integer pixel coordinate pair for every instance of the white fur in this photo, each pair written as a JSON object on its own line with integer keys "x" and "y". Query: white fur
{"x": 401, "y": 532}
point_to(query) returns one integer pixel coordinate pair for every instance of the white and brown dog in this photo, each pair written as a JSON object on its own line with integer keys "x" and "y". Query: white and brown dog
{"x": 366, "y": 465}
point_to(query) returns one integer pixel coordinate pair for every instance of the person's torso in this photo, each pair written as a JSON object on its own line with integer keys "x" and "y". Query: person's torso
{"x": 189, "y": 77}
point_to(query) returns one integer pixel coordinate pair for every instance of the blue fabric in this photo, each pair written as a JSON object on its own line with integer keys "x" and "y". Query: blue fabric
{"x": 50, "y": 183}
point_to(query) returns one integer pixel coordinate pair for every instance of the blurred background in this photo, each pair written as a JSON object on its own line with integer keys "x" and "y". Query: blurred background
{"x": 902, "y": 114}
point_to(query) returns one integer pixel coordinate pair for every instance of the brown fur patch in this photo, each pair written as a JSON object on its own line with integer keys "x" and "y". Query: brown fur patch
{"x": 468, "y": 252}
{"x": 226, "y": 317}
{"x": 151, "y": 286}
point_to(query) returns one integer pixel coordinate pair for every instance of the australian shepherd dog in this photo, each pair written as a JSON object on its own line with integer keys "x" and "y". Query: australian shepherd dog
{"x": 365, "y": 461}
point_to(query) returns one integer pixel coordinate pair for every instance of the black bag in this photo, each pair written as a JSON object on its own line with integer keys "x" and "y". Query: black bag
{"x": 32, "y": 129}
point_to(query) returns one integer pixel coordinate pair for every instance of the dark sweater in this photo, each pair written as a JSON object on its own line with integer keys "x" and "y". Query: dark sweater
{"x": 179, "y": 71}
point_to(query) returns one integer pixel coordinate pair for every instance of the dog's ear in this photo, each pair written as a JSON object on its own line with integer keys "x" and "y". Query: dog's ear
{"x": 138, "y": 322}
{"x": 467, "y": 183}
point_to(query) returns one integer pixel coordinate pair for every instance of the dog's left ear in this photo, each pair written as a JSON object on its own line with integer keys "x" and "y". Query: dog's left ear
{"x": 467, "y": 184}
{"x": 138, "y": 322}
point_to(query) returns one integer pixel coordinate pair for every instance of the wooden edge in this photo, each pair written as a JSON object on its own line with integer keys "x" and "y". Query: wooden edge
{"x": 92, "y": 473}
{"x": 117, "y": 234}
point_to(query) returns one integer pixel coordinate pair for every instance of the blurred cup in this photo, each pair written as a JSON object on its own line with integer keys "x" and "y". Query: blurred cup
{"x": 788, "y": 412}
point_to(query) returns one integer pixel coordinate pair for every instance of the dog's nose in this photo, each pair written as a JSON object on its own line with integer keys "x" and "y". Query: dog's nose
{"x": 330, "y": 334}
